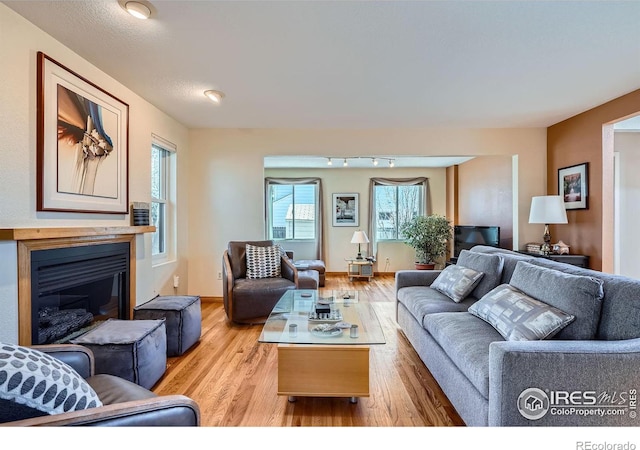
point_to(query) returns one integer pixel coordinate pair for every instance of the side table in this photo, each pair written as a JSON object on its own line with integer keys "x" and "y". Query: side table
{"x": 359, "y": 268}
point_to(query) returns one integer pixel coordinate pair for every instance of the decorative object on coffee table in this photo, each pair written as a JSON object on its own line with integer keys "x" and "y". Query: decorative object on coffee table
{"x": 547, "y": 209}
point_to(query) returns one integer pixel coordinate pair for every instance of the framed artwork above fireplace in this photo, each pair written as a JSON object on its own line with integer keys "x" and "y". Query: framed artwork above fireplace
{"x": 82, "y": 144}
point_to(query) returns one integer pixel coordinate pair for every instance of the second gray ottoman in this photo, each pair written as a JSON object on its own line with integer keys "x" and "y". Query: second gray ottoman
{"x": 135, "y": 350}
{"x": 183, "y": 316}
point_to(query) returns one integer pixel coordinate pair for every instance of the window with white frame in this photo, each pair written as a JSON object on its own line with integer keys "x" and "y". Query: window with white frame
{"x": 292, "y": 210}
{"x": 161, "y": 206}
{"x": 395, "y": 205}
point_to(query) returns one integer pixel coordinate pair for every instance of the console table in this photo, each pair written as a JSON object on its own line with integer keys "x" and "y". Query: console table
{"x": 359, "y": 268}
{"x": 575, "y": 260}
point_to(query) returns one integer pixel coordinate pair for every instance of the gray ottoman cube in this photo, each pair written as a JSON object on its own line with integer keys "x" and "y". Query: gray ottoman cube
{"x": 135, "y": 350}
{"x": 308, "y": 279}
{"x": 183, "y": 319}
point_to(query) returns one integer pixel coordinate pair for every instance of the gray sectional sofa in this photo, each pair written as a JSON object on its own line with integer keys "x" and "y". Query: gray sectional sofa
{"x": 586, "y": 374}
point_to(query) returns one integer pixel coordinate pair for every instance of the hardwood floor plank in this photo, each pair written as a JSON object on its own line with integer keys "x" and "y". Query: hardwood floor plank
{"x": 233, "y": 377}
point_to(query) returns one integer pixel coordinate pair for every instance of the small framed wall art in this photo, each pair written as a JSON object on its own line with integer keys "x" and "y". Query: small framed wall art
{"x": 345, "y": 210}
{"x": 573, "y": 185}
{"x": 82, "y": 144}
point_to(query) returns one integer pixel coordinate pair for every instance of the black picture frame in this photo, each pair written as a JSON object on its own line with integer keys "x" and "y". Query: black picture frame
{"x": 573, "y": 186}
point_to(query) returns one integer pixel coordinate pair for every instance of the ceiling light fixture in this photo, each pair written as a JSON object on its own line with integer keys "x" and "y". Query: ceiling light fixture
{"x": 391, "y": 163}
{"x": 138, "y": 10}
{"x": 329, "y": 162}
{"x": 375, "y": 162}
{"x": 345, "y": 163}
{"x": 215, "y": 96}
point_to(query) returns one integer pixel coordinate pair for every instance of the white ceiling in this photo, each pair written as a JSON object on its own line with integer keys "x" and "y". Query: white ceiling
{"x": 359, "y": 64}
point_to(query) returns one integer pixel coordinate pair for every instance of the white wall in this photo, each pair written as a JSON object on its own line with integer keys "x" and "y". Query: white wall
{"x": 338, "y": 239}
{"x": 227, "y": 176}
{"x": 628, "y": 146}
{"x": 19, "y": 43}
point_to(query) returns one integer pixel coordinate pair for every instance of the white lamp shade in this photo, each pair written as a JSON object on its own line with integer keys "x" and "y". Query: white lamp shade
{"x": 548, "y": 209}
{"x": 359, "y": 237}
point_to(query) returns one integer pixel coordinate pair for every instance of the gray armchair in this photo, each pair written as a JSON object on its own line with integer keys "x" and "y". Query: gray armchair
{"x": 250, "y": 301}
{"x": 124, "y": 403}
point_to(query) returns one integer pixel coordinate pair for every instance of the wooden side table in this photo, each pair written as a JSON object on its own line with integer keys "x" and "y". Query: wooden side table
{"x": 359, "y": 268}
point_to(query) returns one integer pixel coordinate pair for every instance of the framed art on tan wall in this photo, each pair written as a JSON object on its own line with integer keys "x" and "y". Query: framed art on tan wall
{"x": 82, "y": 144}
{"x": 345, "y": 210}
{"x": 573, "y": 183}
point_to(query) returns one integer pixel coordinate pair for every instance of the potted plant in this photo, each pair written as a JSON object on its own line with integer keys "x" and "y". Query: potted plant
{"x": 429, "y": 236}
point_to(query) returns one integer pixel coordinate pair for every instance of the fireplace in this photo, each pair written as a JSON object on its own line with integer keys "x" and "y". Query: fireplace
{"x": 30, "y": 241}
{"x": 74, "y": 288}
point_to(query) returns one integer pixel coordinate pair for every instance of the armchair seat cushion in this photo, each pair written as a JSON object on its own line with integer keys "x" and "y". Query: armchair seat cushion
{"x": 112, "y": 389}
{"x": 255, "y": 298}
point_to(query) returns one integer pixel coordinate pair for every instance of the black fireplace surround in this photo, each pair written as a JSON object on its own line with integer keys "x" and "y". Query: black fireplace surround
{"x": 74, "y": 288}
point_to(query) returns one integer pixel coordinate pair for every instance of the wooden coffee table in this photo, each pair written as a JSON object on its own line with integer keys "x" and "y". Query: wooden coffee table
{"x": 315, "y": 363}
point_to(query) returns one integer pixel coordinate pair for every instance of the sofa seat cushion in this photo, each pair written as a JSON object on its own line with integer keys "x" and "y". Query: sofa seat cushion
{"x": 490, "y": 265}
{"x": 518, "y": 317}
{"x": 466, "y": 340}
{"x": 457, "y": 282}
{"x": 578, "y": 295}
{"x": 422, "y": 300}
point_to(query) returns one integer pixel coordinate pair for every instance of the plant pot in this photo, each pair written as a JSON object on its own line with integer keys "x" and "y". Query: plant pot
{"x": 421, "y": 266}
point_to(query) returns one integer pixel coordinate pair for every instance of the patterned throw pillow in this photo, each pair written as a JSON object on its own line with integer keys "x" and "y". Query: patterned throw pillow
{"x": 457, "y": 282}
{"x": 263, "y": 262}
{"x": 39, "y": 381}
{"x": 518, "y": 317}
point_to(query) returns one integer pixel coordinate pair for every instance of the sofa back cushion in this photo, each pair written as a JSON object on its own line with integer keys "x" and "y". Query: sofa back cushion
{"x": 578, "y": 295}
{"x": 620, "y": 316}
{"x": 490, "y": 265}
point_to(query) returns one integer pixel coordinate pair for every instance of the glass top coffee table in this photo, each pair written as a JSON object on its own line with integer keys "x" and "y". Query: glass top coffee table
{"x": 323, "y": 341}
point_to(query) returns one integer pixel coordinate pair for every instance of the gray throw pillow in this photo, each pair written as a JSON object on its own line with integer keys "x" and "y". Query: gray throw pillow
{"x": 263, "y": 262}
{"x": 489, "y": 264}
{"x": 36, "y": 380}
{"x": 578, "y": 295}
{"x": 518, "y": 317}
{"x": 457, "y": 282}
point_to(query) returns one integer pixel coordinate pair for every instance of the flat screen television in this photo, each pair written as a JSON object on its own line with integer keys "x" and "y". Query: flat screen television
{"x": 468, "y": 236}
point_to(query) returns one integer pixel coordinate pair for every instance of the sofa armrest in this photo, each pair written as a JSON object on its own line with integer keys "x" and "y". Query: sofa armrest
{"x": 579, "y": 383}
{"x": 289, "y": 270}
{"x": 78, "y": 357}
{"x": 405, "y": 278}
{"x": 167, "y": 410}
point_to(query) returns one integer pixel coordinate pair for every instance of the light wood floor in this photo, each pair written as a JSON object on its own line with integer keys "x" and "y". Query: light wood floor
{"x": 234, "y": 378}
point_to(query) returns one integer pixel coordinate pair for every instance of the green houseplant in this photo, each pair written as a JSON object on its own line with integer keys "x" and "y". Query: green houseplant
{"x": 429, "y": 236}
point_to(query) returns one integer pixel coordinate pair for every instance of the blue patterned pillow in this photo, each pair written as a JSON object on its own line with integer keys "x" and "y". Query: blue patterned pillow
{"x": 35, "y": 380}
{"x": 263, "y": 262}
{"x": 518, "y": 317}
{"x": 457, "y": 282}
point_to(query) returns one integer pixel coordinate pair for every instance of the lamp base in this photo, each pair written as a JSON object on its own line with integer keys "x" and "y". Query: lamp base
{"x": 359, "y": 256}
{"x": 546, "y": 247}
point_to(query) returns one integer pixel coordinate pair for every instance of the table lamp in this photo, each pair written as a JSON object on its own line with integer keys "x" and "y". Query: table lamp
{"x": 359, "y": 237}
{"x": 547, "y": 209}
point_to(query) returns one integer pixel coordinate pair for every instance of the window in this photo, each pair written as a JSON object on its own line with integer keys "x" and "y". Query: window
{"x": 394, "y": 205}
{"x": 292, "y": 210}
{"x": 161, "y": 210}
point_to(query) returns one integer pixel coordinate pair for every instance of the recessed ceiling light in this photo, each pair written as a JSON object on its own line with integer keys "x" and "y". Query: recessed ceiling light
{"x": 215, "y": 96}
{"x": 138, "y": 10}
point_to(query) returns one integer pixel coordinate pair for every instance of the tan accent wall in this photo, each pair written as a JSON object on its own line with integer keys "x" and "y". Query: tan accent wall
{"x": 485, "y": 195}
{"x": 584, "y": 138}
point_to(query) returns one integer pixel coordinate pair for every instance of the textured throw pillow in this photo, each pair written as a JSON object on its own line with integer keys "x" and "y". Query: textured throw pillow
{"x": 457, "y": 282}
{"x": 263, "y": 262}
{"x": 31, "y": 379}
{"x": 489, "y": 264}
{"x": 518, "y": 317}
